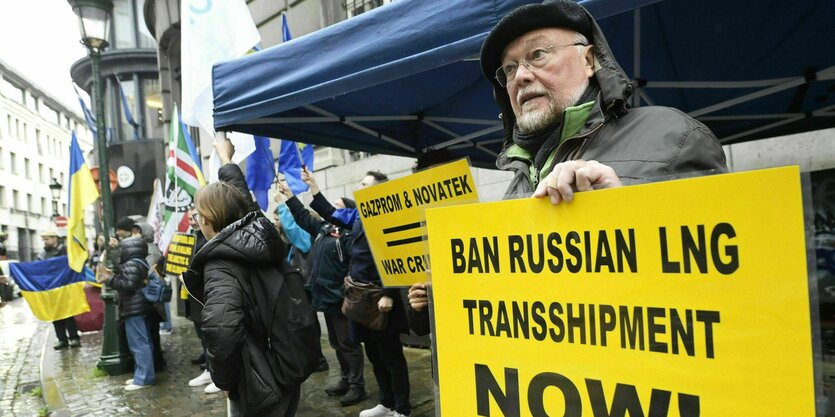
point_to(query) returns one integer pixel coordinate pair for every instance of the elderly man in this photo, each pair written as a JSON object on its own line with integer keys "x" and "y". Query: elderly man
{"x": 65, "y": 329}
{"x": 564, "y": 105}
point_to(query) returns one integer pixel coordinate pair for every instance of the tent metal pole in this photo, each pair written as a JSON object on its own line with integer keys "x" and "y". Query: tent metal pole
{"x": 645, "y": 96}
{"x": 749, "y": 117}
{"x": 465, "y": 121}
{"x": 727, "y": 139}
{"x": 636, "y": 53}
{"x": 362, "y": 129}
{"x": 824, "y": 74}
{"x": 289, "y": 120}
{"x": 466, "y": 138}
{"x": 718, "y": 84}
{"x": 479, "y": 145}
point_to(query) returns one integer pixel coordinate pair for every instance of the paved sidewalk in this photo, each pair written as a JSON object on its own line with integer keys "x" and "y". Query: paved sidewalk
{"x": 22, "y": 338}
{"x": 87, "y": 395}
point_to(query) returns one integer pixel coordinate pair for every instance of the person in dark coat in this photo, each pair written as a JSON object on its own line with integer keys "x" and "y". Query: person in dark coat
{"x": 239, "y": 240}
{"x": 564, "y": 102}
{"x": 65, "y": 329}
{"x": 382, "y": 347}
{"x": 134, "y": 309}
{"x": 331, "y": 255}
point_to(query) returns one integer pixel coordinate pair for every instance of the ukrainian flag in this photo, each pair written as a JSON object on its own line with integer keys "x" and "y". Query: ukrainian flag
{"x": 53, "y": 290}
{"x": 82, "y": 192}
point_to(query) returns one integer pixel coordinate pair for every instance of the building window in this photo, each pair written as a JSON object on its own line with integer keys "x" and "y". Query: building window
{"x": 2, "y": 196}
{"x": 43, "y": 206}
{"x": 38, "y": 141}
{"x": 62, "y": 178}
{"x": 356, "y": 7}
{"x": 15, "y": 199}
{"x": 40, "y": 173}
{"x": 9, "y": 124}
{"x": 25, "y": 132}
{"x": 26, "y": 171}
{"x": 17, "y": 128}
{"x": 51, "y": 173}
{"x": 29, "y": 207}
{"x": 13, "y": 163}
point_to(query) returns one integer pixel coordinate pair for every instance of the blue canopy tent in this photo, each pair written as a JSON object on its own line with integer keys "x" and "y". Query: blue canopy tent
{"x": 404, "y": 78}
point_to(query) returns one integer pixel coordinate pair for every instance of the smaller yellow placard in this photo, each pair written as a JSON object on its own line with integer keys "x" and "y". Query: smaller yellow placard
{"x": 179, "y": 253}
{"x": 393, "y": 218}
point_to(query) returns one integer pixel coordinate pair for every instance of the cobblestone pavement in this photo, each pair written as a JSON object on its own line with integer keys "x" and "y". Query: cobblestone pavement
{"x": 21, "y": 342}
{"x": 85, "y": 394}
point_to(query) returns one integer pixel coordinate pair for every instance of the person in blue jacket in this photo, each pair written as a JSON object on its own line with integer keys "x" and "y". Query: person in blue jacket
{"x": 382, "y": 347}
{"x": 330, "y": 258}
{"x": 298, "y": 255}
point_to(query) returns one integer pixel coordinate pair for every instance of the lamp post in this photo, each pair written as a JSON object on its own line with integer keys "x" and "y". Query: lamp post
{"x": 94, "y": 24}
{"x": 55, "y": 188}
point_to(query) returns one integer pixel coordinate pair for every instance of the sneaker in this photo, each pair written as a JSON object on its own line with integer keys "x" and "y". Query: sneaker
{"x": 202, "y": 379}
{"x": 211, "y": 389}
{"x": 396, "y": 414}
{"x": 378, "y": 411}
{"x": 75, "y": 343}
{"x": 60, "y": 345}
{"x": 166, "y": 332}
{"x": 129, "y": 382}
{"x": 354, "y": 395}
{"x": 339, "y": 388}
{"x": 134, "y": 387}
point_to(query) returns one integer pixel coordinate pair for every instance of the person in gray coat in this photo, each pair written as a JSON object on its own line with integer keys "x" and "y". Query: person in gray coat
{"x": 564, "y": 102}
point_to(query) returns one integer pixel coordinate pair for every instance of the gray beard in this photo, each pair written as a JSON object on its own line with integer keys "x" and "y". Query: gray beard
{"x": 537, "y": 120}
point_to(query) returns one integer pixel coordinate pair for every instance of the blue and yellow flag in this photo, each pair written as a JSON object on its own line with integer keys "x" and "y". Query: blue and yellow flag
{"x": 82, "y": 192}
{"x": 53, "y": 290}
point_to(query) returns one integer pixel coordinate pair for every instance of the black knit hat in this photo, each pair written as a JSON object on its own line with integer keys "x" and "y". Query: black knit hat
{"x": 351, "y": 204}
{"x": 565, "y": 14}
{"x": 125, "y": 223}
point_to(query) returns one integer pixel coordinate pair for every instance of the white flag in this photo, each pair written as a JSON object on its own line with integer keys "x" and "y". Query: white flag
{"x": 154, "y": 217}
{"x": 212, "y": 31}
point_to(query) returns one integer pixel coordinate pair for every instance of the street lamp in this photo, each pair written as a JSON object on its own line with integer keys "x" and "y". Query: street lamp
{"x": 94, "y": 25}
{"x": 55, "y": 188}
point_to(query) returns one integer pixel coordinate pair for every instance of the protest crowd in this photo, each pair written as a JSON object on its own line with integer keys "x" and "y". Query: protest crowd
{"x": 257, "y": 282}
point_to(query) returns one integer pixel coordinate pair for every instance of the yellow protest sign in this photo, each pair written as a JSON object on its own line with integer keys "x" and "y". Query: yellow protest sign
{"x": 393, "y": 218}
{"x": 683, "y": 298}
{"x": 179, "y": 253}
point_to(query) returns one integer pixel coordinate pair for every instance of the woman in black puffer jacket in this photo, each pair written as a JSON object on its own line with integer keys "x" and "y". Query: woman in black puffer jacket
{"x": 134, "y": 309}
{"x": 239, "y": 240}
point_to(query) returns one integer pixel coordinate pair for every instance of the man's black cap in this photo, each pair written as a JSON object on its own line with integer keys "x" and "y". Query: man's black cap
{"x": 565, "y": 14}
{"x": 125, "y": 223}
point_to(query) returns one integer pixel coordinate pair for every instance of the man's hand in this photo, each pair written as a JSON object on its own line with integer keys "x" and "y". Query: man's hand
{"x": 385, "y": 304}
{"x": 417, "y": 297}
{"x": 114, "y": 243}
{"x": 308, "y": 179}
{"x": 569, "y": 177}
{"x": 284, "y": 188}
{"x": 225, "y": 149}
{"x": 102, "y": 273}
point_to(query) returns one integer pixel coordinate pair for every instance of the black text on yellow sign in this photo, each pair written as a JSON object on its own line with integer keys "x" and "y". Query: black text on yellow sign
{"x": 179, "y": 253}
{"x": 684, "y": 298}
{"x": 393, "y": 217}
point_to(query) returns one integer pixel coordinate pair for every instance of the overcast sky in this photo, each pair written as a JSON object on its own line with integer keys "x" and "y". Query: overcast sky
{"x": 40, "y": 39}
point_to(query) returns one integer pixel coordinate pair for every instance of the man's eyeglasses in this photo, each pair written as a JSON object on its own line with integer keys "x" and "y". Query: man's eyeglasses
{"x": 535, "y": 59}
{"x": 194, "y": 217}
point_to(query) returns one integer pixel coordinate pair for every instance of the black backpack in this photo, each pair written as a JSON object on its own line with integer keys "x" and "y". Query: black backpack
{"x": 285, "y": 331}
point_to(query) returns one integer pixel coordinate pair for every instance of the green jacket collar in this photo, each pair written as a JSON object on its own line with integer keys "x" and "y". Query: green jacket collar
{"x": 574, "y": 118}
